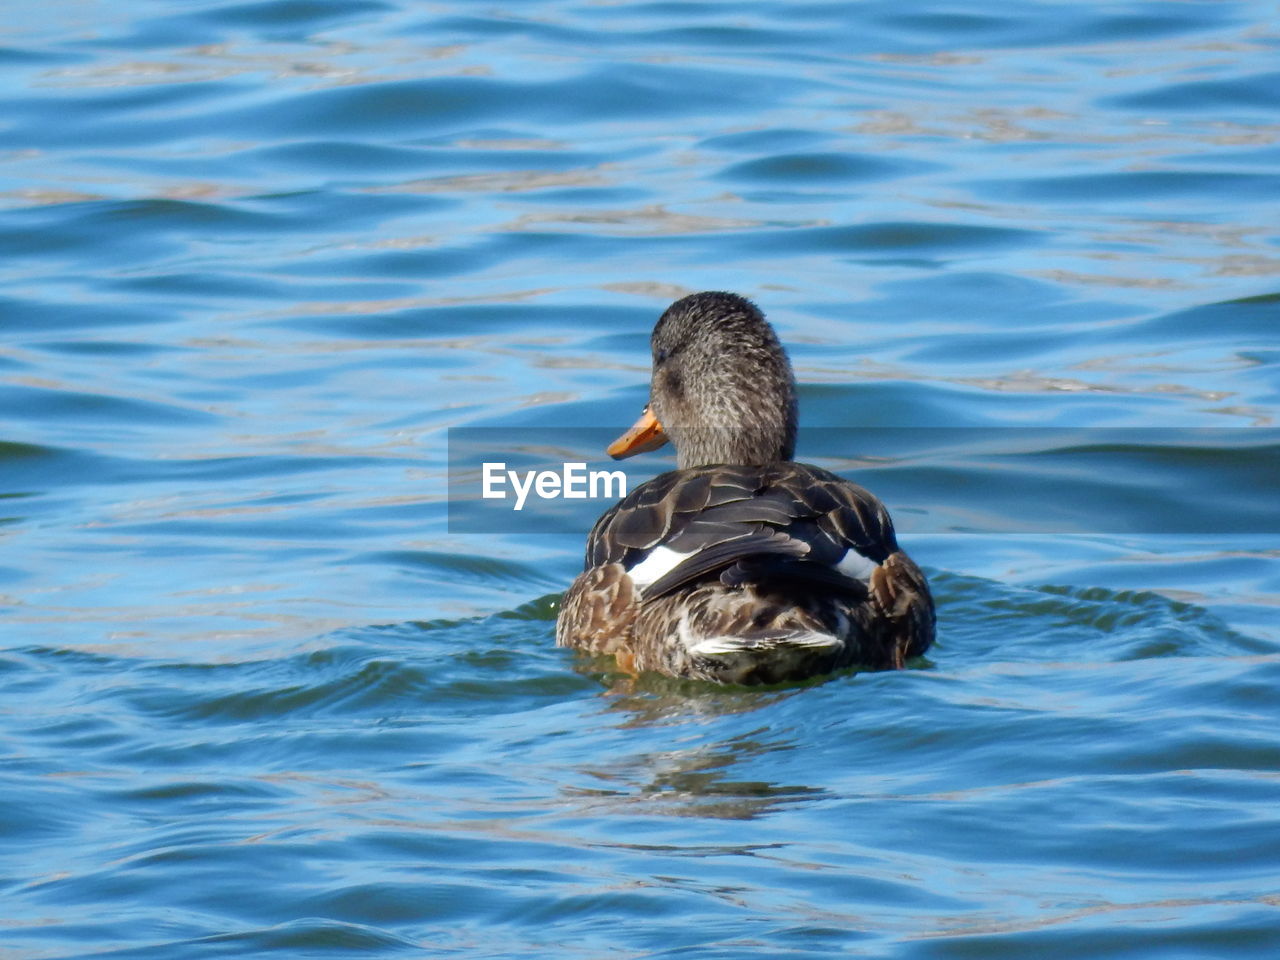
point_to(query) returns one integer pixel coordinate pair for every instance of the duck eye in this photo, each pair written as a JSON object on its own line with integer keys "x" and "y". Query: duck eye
{"x": 659, "y": 357}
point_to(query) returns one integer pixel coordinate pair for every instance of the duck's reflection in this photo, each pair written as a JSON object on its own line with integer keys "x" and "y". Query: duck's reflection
{"x": 702, "y": 780}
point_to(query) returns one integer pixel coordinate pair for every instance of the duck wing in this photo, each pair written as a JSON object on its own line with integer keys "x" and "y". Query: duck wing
{"x": 745, "y": 523}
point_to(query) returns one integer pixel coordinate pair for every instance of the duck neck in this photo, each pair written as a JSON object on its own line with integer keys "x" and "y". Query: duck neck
{"x": 748, "y": 443}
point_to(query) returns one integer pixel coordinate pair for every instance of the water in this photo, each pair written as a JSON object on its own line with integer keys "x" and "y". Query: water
{"x": 258, "y": 700}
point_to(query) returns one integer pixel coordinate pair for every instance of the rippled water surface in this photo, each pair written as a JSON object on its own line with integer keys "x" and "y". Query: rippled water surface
{"x": 257, "y": 258}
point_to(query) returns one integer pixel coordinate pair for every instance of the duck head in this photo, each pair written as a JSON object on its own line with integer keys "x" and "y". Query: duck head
{"x": 721, "y": 390}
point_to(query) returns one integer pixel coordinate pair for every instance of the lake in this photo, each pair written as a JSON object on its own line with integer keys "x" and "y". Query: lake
{"x": 272, "y": 688}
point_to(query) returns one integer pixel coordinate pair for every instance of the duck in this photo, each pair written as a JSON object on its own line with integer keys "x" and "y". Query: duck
{"x": 741, "y": 566}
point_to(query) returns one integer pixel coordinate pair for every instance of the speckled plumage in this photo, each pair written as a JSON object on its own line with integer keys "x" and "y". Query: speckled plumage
{"x": 741, "y": 566}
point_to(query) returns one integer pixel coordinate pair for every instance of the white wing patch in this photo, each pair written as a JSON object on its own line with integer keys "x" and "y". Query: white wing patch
{"x": 856, "y": 566}
{"x": 660, "y": 561}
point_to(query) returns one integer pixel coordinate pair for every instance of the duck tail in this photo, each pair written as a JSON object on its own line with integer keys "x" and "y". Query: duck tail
{"x": 808, "y": 640}
{"x": 766, "y": 658}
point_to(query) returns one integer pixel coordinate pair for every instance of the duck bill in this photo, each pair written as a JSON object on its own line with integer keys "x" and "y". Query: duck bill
{"x": 645, "y": 434}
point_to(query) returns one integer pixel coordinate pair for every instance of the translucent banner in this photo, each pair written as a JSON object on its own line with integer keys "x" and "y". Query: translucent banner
{"x": 933, "y": 480}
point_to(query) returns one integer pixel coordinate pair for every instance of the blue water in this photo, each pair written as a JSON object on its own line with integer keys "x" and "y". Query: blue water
{"x": 257, "y": 699}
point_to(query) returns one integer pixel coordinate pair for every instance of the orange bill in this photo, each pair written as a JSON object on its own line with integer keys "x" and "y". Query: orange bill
{"x": 645, "y": 435}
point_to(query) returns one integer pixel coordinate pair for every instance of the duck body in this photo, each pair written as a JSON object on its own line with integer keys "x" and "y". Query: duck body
{"x": 746, "y": 567}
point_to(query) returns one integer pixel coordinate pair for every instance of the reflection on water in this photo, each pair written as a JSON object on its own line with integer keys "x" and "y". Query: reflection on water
{"x": 696, "y": 782}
